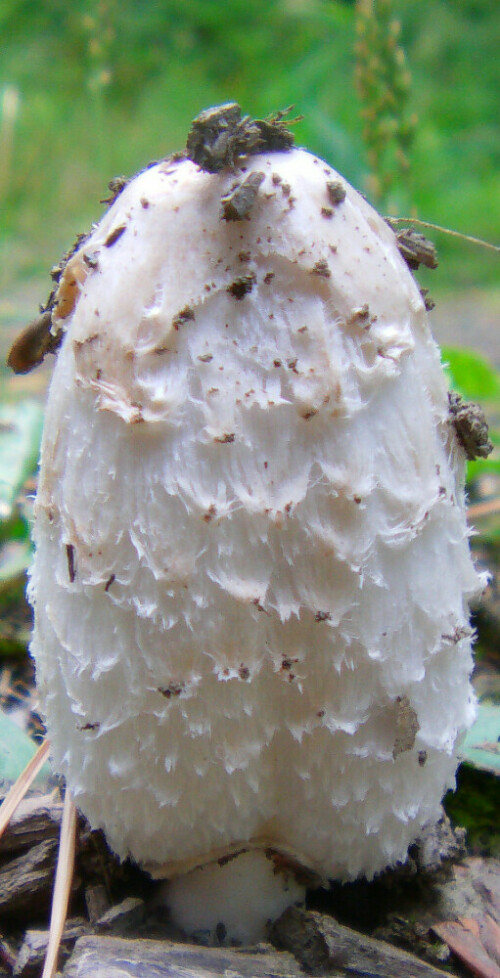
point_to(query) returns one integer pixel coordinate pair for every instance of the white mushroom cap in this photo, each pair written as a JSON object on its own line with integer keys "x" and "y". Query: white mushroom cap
{"x": 252, "y": 568}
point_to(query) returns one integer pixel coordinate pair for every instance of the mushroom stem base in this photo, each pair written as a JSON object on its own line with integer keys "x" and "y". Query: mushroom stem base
{"x": 232, "y": 902}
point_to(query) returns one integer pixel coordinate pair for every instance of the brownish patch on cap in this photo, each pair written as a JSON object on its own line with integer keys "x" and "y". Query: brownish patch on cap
{"x": 70, "y": 284}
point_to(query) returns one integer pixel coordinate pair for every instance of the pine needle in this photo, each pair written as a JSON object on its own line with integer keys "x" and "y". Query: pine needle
{"x": 21, "y": 786}
{"x": 437, "y": 227}
{"x": 62, "y": 886}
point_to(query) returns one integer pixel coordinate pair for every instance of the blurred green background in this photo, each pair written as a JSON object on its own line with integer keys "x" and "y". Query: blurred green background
{"x": 99, "y": 87}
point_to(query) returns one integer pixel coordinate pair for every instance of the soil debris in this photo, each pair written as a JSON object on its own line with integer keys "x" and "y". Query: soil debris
{"x": 220, "y": 137}
{"x": 237, "y": 204}
{"x": 416, "y": 249}
{"x": 470, "y": 425}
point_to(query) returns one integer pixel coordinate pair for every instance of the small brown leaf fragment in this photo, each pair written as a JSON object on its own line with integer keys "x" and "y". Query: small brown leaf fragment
{"x": 475, "y": 942}
{"x": 321, "y": 268}
{"x": 322, "y": 616}
{"x": 70, "y": 554}
{"x": 335, "y": 191}
{"x": 237, "y": 204}
{"x": 470, "y": 426}
{"x": 31, "y": 346}
{"x": 242, "y": 286}
{"x": 186, "y": 315}
{"x": 327, "y": 212}
{"x": 428, "y": 301}
{"x": 407, "y": 726}
{"x": 114, "y": 235}
{"x": 268, "y": 277}
{"x": 416, "y": 249}
{"x": 115, "y": 186}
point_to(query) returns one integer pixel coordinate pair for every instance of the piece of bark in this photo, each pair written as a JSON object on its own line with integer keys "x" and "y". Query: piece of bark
{"x": 103, "y": 957}
{"x": 7, "y": 957}
{"x": 324, "y": 946}
{"x": 26, "y": 881}
{"x": 96, "y": 901}
{"x": 122, "y": 919}
{"x": 438, "y": 844}
{"x": 32, "y": 951}
{"x": 37, "y": 819}
{"x": 472, "y": 891}
{"x": 469, "y": 918}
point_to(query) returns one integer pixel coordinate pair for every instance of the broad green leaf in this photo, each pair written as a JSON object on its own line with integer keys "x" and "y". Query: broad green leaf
{"x": 481, "y": 747}
{"x": 16, "y": 750}
{"x": 20, "y": 433}
{"x": 482, "y": 465}
{"x": 471, "y": 374}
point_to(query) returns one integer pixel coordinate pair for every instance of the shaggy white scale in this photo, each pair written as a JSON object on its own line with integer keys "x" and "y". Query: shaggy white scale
{"x": 252, "y": 568}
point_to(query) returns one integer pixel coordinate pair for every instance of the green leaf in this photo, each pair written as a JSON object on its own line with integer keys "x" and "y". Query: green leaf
{"x": 20, "y": 433}
{"x": 16, "y": 750}
{"x": 471, "y": 374}
{"x": 481, "y": 747}
{"x": 482, "y": 465}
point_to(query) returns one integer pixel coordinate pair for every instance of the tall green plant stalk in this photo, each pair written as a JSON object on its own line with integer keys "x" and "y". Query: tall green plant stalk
{"x": 9, "y": 109}
{"x": 383, "y": 84}
{"x": 99, "y": 28}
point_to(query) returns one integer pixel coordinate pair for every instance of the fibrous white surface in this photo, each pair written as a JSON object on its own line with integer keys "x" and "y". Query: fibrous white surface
{"x": 252, "y": 568}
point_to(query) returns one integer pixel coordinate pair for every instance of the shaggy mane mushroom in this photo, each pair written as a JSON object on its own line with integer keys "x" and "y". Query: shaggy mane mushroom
{"x": 252, "y": 569}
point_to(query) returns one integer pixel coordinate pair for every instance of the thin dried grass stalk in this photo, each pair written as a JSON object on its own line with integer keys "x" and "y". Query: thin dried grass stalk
{"x": 62, "y": 886}
{"x": 22, "y": 785}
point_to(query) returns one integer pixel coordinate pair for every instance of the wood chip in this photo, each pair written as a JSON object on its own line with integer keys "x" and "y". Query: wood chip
{"x": 33, "y": 949}
{"x": 123, "y": 918}
{"x": 26, "y": 881}
{"x": 101, "y": 957}
{"x": 36, "y": 820}
{"x": 324, "y": 946}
